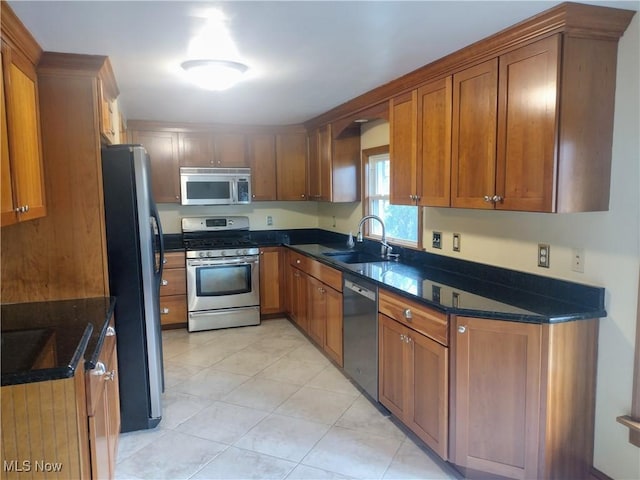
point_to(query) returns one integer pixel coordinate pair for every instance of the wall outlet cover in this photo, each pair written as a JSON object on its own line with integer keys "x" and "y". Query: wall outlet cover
{"x": 456, "y": 242}
{"x": 544, "y": 252}
{"x": 436, "y": 241}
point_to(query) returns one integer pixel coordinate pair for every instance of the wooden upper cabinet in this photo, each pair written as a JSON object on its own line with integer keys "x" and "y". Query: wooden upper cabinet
{"x": 475, "y": 105}
{"x": 527, "y": 110}
{"x": 196, "y": 149}
{"x": 433, "y": 168}
{"x": 262, "y": 160}
{"x": 231, "y": 150}
{"x": 163, "y": 154}
{"x": 23, "y": 195}
{"x": 402, "y": 148}
{"x": 420, "y": 146}
{"x": 334, "y": 164}
{"x": 213, "y": 149}
{"x": 291, "y": 166}
{"x": 107, "y": 93}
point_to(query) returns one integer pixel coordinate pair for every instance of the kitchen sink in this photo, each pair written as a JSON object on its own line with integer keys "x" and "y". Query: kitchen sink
{"x": 354, "y": 257}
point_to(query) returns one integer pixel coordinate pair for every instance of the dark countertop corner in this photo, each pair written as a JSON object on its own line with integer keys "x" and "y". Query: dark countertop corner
{"x": 48, "y": 340}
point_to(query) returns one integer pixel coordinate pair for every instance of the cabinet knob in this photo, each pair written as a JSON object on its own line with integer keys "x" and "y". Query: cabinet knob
{"x": 253, "y": 195}
{"x": 164, "y": 261}
{"x": 110, "y": 331}
{"x": 177, "y": 197}
{"x": 402, "y": 337}
{"x": 99, "y": 369}
{"x": 496, "y": 198}
{"x": 109, "y": 375}
{"x": 26, "y": 208}
{"x": 488, "y": 198}
{"x": 462, "y": 329}
{"x": 407, "y": 314}
{"x": 165, "y": 282}
{"x": 302, "y": 195}
{"x": 298, "y": 261}
{"x": 164, "y": 311}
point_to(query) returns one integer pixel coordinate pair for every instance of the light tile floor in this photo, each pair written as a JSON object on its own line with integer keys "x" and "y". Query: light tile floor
{"x": 263, "y": 402}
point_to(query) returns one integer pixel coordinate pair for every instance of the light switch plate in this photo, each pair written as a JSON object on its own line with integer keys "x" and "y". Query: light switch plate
{"x": 456, "y": 242}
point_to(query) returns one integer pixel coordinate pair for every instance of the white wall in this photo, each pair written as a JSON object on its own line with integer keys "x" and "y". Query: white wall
{"x": 611, "y": 244}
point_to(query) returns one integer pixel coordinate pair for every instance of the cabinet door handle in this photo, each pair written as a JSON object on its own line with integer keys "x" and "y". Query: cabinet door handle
{"x": 462, "y": 329}
{"x": 165, "y": 282}
{"x": 164, "y": 311}
{"x": 407, "y": 314}
{"x": 110, "y": 331}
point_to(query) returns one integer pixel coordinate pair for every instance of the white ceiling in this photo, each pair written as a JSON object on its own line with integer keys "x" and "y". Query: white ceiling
{"x": 306, "y": 57}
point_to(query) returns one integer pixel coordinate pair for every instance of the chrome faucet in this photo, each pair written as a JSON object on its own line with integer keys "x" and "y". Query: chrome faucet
{"x": 385, "y": 248}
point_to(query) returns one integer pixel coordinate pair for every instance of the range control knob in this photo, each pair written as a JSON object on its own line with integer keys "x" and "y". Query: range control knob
{"x": 223, "y": 253}
{"x": 202, "y": 254}
{"x": 244, "y": 252}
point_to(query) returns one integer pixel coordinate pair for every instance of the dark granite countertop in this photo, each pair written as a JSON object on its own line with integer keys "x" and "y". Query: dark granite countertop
{"x": 525, "y": 299}
{"x": 48, "y": 340}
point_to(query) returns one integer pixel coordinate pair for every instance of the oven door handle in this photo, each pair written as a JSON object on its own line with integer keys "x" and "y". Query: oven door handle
{"x": 222, "y": 262}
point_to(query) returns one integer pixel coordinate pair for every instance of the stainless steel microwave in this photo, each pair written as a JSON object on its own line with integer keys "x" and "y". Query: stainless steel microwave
{"x": 215, "y": 186}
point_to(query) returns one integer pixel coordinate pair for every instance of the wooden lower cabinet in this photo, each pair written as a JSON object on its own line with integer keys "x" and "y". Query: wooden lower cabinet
{"x": 523, "y": 398}
{"x": 297, "y": 297}
{"x": 103, "y": 410}
{"x": 70, "y": 425}
{"x": 271, "y": 280}
{"x": 173, "y": 290}
{"x": 413, "y": 381}
{"x": 315, "y": 304}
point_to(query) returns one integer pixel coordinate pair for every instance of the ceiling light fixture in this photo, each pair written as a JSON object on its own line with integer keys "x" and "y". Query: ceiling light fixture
{"x": 213, "y": 74}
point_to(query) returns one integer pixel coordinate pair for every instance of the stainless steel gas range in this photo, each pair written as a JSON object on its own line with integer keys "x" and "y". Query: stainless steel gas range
{"x": 223, "y": 270}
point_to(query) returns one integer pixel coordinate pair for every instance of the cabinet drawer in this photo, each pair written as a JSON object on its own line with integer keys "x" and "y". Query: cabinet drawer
{"x": 174, "y": 260}
{"x": 299, "y": 261}
{"x": 327, "y": 275}
{"x": 96, "y": 377}
{"x": 173, "y": 309}
{"x": 418, "y": 317}
{"x": 174, "y": 282}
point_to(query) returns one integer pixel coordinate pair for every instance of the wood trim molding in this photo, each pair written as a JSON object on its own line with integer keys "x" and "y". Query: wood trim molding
{"x": 14, "y": 31}
{"x": 572, "y": 19}
{"x": 181, "y": 127}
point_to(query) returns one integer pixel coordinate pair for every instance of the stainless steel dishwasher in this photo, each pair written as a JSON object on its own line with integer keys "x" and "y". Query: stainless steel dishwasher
{"x": 360, "y": 329}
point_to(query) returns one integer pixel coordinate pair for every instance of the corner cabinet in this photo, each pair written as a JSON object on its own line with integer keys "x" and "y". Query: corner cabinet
{"x": 523, "y": 398}
{"x": 291, "y": 166}
{"x": 414, "y": 368}
{"x": 334, "y": 164}
{"x": 271, "y": 280}
{"x": 22, "y": 190}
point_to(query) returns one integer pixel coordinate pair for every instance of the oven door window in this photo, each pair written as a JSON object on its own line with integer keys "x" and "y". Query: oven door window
{"x": 204, "y": 190}
{"x": 215, "y": 281}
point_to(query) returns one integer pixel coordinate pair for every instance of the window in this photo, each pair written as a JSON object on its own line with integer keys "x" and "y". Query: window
{"x": 401, "y": 222}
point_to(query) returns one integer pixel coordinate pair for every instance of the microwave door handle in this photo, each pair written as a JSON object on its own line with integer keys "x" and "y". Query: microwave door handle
{"x": 234, "y": 191}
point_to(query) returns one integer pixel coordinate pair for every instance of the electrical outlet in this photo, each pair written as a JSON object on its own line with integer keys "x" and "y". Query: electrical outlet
{"x": 269, "y": 220}
{"x": 456, "y": 242}
{"x": 577, "y": 260}
{"x": 436, "y": 241}
{"x": 544, "y": 252}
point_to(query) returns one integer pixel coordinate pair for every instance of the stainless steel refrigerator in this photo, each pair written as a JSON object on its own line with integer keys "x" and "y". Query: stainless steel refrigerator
{"x": 135, "y": 251}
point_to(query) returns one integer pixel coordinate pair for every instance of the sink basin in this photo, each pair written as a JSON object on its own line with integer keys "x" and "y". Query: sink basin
{"x": 354, "y": 257}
